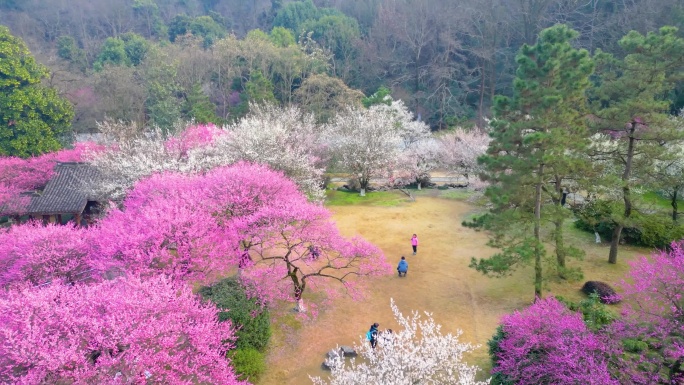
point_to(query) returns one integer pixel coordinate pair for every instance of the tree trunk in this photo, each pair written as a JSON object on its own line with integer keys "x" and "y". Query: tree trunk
{"x": 674, "y": 206}
{"x": 537, "y": 235}
{"x": 560, "y": 244}
{"x": 559, "y": 200}
{"x": 614, "y": 243}
{"x": 364, "y": 181}
{"x": 301, "y": 308}
{"x": 626, "y": 196}
{"x": 419, "y": 185}
{"x": 480, "y": 106}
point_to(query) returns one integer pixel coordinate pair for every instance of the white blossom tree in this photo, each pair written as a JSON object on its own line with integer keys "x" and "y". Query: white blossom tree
{"x": 459, "y": 150}
{"x": 369, "y": 143}
{"x": 417, "y": 354}
{"x": 284, "y": 139}
{"x": 129, "y": 159}
{"x": 417, "y": 161}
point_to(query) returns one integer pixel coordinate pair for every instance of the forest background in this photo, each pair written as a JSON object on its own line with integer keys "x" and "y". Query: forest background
{"x": 156, "y": 62}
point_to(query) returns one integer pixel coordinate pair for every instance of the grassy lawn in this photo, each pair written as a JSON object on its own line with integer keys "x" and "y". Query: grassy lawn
{"x": 660, "y": 202}
{"x": 375, "y": 198}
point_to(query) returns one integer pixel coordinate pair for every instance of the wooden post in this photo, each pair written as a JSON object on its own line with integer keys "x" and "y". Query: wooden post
{"x": 59, "y": 218}
{"x": 77, "y": 218}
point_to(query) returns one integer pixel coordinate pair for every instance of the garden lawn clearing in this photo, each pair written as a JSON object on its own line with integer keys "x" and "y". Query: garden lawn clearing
{"x": 438, "y": 281}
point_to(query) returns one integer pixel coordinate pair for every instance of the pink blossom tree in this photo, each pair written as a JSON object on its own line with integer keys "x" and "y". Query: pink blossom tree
{"x": 294, "y": 245}
{"x": 166, "y": 225}
{"x": 242, "y": 216}
{"x": 653, "y": 318}
{"x": 549, "y": 344}
{"x": 121, "y": 331}
{"x": 34, "y": 254}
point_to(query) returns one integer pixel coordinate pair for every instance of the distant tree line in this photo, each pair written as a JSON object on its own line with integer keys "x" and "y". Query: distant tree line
{"x": 154, "y": 61}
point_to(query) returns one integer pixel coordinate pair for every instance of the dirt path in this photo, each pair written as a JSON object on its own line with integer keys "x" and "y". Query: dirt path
{"x": 439, "y": 281}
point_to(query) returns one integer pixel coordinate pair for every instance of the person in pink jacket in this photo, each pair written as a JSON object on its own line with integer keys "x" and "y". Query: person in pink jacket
{"x": 414, "y": 243}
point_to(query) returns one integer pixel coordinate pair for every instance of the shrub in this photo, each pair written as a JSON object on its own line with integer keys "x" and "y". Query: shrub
{"x": 643, "y": 230}
{"x": 249, "y": 363}
{"x": 498, "y": 378}
{"x": 549, "y": 344}
{"x": 606, "y": 294}
{"x": 247, "y": 314}
{"x": 595, "y": 314}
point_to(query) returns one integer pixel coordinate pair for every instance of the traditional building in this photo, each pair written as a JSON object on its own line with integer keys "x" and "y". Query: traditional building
{"x": 70, "y": 194}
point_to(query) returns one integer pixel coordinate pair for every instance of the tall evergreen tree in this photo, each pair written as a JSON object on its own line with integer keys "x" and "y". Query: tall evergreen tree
{"x": 33, "y": 118}
{"x": 632, "y": 106}
{"x": 537, "y": 138}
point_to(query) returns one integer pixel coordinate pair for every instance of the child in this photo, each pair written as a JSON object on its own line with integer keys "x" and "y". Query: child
{"x": 414, "y": 243}
{"x": 403, "y": 266}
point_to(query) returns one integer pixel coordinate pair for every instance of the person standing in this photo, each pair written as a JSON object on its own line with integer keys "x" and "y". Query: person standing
{"x": 402, "y": 268}
{"x": 372, "y": 335}
{"x": 414, "y": 243}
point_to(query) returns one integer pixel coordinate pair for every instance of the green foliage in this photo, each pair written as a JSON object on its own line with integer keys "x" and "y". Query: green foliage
{"x": 148, "y": 11}
{"x": 282, "y": 37}
{"x": 257, "y": 35}
{"x": 207, "y": 28}
{"x": 178, "y": 26}
{"x": 294, "y": 14}
{"x": 113, "y": 52}
{"x": 259, "y": 88}
{"x": 325, "y": 96}
{"x": 197, "y": 106}
{"x": 33, "y": 118}
{"x": 538, "y": 143}
{"x": 633, "y": 345}
{"x": 477, "y": 222}
{"x": 498, "y": 378}
{"x": 136, "y": 47}
{"x": 67, "y": 48}
{"x": 595, "y": 314}
{"x": 246, "y": 313}
{"x": 381, "y": 96}
{"x": 338, "y": 33}
{"x": 249, "y": 363}
{"x": 648, "y": 230}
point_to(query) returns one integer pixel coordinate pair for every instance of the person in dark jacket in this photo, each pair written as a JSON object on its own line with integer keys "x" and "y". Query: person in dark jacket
{"x": 373, "y": 335}
{"x": 403, "y": 267}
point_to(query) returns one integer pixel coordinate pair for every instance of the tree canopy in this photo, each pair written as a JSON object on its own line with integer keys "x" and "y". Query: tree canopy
{"x": 33, "y": 118}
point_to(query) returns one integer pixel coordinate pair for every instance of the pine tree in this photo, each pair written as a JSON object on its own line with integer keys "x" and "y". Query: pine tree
{"x": 632, "y": 106}
{"x": 537, "y": 138}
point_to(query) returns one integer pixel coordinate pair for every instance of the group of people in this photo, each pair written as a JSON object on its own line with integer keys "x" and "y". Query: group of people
{"x": 402, "y": 268}
{"x": 374, "y": 334}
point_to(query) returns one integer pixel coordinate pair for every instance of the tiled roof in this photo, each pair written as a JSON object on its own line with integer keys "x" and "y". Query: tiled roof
{"x": 67, "y": 192}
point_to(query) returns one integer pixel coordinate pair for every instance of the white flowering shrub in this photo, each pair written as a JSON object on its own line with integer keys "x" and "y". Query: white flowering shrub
{"x": 417, "y": 353}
